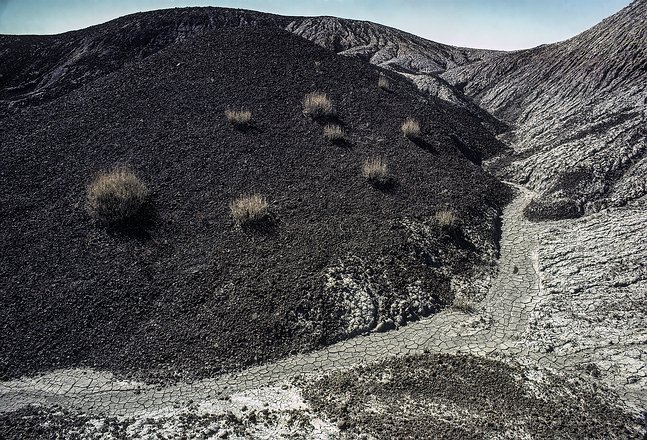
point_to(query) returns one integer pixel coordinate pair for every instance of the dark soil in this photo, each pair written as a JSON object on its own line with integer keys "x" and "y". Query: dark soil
{"x": 451, "y": 397}
{"x": 37, "y": 423}
{"x": 181, "y": 292}
{"x": 46, "y": 423}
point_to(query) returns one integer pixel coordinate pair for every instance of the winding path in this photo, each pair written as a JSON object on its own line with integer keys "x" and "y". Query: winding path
{"x": 494, "y": 330}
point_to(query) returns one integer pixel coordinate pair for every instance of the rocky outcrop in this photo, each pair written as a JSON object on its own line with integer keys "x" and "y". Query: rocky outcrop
{"x": 577, "y": 109}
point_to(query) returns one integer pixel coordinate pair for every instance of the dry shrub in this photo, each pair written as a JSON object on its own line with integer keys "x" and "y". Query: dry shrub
{"x": 384, "y": 83}
{"x": 376, "y": 171}
{"x": 116, "y": 195}
{"x": 464, "y": 305}
{"x": 317, "y": 105}
{"x": 333, "y": 132}
{"x": 411, "y": 128}
{"x": 447, "y": 219}
{"x": 249, "y": 209}
{"x": 239, "y": 118}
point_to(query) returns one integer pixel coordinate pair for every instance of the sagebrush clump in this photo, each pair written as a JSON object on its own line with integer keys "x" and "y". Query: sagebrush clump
{"x": 376, "y": 171}
{"x": 447, "y": 219}
{"x": 317, "y": 105}
{"x": 116, "y": 195}
{"x": 464, "y": 305}
{"x": 411, "y": 128}
{"x": 239, "y": 118}
{"x": 333, "y": 132}
{"x": 384, "y": 83}
{"x": 249, "y": 210}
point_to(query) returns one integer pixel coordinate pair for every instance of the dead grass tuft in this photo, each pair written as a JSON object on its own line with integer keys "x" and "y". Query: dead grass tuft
{"x": 376, "y": 171}
{"x": 249, "y": 209}
{"x": 464, "y": 305}
{"x": 317, "y": 105}
{"x": 384, "y": 83}
{"x": 116, "y": 195}
{"x": 239, "y": 118}
{"x": 447, "y": 219}
{"x": 333, "y": 132}
{"x": 411, "y": 128}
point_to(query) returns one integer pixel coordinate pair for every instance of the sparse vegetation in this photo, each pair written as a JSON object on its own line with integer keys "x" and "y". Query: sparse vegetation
{"x": 411, "y": 128}
{"x": 384, "y": 83}
{"x": 463, "y": 304}
{"x": 317, "y": 105}
{"x": 333, "y": 132}
{"x": 116, "y": 195}
{"x": 447, "y": 219}
{"x": 376, "y": 171}
{"x": 249, "y": 209}
{"x": 239, "y": 118}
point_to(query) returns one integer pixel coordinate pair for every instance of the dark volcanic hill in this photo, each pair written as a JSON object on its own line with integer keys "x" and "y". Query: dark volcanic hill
{"x": 186, "y": 293}
{"x": 35, "y": 69}
{"x": 578, "y": 111}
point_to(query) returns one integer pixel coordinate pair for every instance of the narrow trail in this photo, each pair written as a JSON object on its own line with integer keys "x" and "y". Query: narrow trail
{"x": 493, "y": 330}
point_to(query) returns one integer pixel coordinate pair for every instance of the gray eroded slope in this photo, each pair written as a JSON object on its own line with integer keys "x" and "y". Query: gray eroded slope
{"x": 578, "y": 112}
{"x": 420, "y": 60}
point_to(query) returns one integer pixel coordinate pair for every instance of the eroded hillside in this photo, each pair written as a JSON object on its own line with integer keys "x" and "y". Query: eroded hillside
{"x": 578, "y": 112}
{"x": 420, "y": 60}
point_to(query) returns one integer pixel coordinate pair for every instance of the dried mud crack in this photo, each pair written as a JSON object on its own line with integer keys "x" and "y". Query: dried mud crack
{"x": 501, "y": 383}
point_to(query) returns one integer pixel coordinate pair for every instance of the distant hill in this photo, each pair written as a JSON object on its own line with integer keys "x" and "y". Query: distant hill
{"x": 43, "y": 67}
{"x": 37, "y": 68}
{"x": 420, "y": 60}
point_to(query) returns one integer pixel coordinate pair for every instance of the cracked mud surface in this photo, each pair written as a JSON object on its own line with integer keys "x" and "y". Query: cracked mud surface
{"x": 551, "y": 345}
{"x": 497, "y": 332}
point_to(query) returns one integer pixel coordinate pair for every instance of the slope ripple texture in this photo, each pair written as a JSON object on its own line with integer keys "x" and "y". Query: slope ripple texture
{"x": 577, "y": 109}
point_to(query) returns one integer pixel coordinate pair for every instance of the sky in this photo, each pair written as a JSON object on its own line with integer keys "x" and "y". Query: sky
{"x": 491, "y": 24}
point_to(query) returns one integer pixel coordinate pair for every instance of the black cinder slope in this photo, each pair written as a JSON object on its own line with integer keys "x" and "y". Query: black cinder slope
{"x": 38, "y": 68}
{"x": 187, "y": 292}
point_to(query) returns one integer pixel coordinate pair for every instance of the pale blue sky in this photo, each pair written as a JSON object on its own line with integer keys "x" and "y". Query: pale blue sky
{"x": 496, "y": 24}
